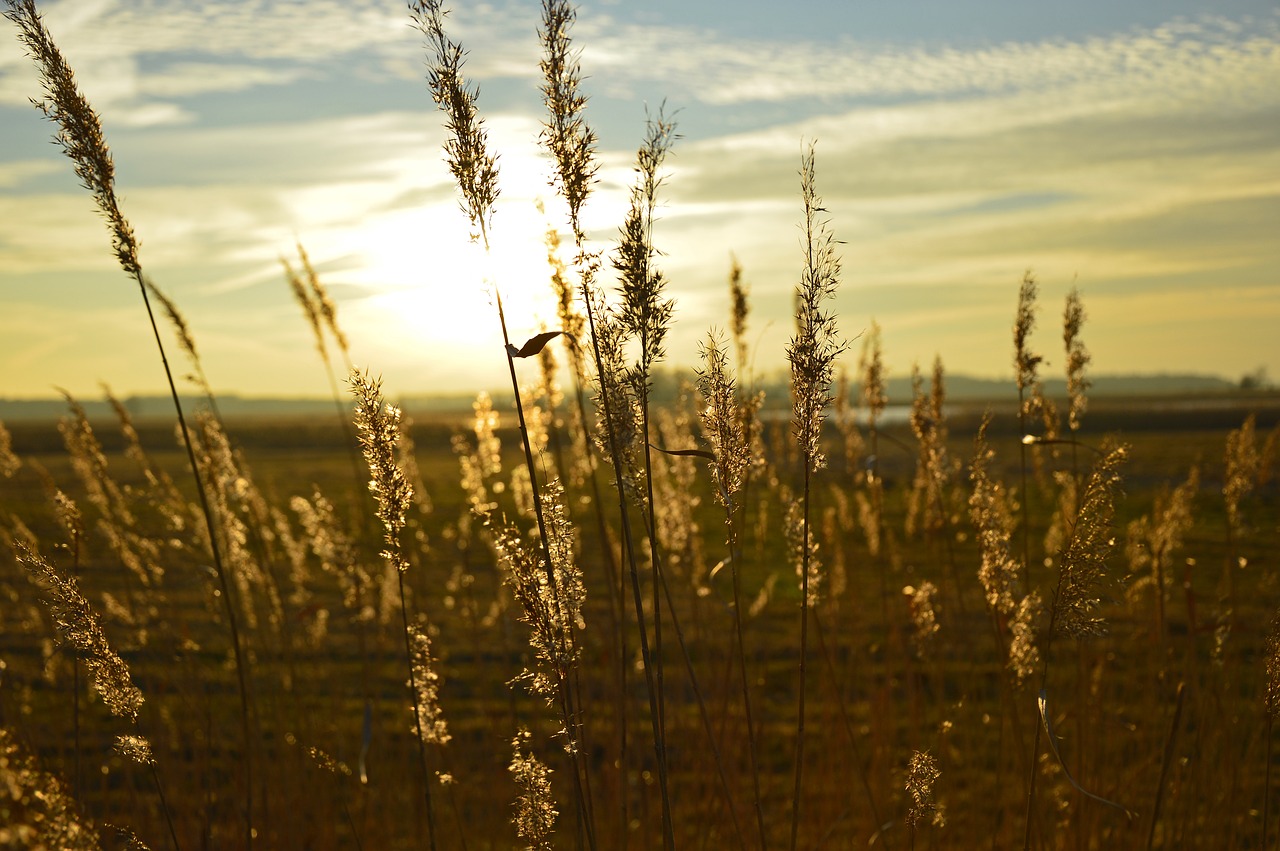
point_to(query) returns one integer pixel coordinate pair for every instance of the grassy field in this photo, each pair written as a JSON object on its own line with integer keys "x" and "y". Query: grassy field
{"x": 603, "y": 619}
{"x": 882, "y": 686}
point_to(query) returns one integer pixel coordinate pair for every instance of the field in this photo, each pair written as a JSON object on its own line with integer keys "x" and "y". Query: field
{"x": 632, "y": 608}
{"x": 886, "y": 680}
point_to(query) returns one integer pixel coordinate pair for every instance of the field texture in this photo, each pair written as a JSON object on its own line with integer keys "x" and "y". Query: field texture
{"x": 1168, "y": 707}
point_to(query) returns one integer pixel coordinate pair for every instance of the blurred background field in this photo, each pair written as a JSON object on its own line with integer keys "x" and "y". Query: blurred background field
{"x": 884, "y": 689}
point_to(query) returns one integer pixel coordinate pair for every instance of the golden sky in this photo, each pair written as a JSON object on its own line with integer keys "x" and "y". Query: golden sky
{"x": 1132, "y": 150}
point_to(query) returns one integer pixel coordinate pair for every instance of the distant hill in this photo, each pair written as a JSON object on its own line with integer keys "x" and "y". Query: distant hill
{"x": 963, "y": 387}
{"x": 666, "y": 384}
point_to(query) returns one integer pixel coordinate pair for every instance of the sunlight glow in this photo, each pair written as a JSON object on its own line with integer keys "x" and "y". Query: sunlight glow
{"x": 431, "y": 281}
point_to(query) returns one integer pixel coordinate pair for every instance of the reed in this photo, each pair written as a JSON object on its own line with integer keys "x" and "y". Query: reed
{"x": 81, "y": 138}
{"x": 731, "y": 453}
{"x": 812, "y": 354}
{"x": 80, "y": 628}
{"x": 475, "y": 169}
{"x": 644, "y": 315}
{"x": 378, "y": 425}
{"x": 572, "y": 145}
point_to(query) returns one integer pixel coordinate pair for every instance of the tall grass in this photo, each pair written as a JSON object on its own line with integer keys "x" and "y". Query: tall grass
{"x": 880, "y": 698}
{"x": 81, "y": 137}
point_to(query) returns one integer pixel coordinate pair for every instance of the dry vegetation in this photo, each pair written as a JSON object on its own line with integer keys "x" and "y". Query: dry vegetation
{"x": 598, "y": 621}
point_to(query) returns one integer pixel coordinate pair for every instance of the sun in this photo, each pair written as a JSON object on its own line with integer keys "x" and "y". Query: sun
{"x": 429, "y": 288}
{"x": 433, "y": 290}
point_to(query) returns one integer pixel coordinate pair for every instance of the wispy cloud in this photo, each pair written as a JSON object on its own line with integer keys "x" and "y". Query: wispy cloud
{"x": 17, "y": 172}
{"x": 1203, "y": 57}
{"x": 128, "y": 52}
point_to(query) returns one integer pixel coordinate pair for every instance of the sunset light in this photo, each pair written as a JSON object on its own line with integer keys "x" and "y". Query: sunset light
{"x": 621, "y": 426}
{"x": 1132, "y": 154}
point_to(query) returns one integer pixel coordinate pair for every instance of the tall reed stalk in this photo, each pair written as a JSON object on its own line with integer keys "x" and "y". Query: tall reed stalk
{"x": 378, "y": 425}
{"x": 645, "y": 315}
{"x": 81, "y": 138}
{"x": 1026, "y": 364}
{"x": 572, "y": 143}
{"x": 812, "y": 353}
{"x": 80, "y": 628}
{"x": 475, "y": 169}
{"x": 731, "y": 452}
{"x": 1081, "y": 570}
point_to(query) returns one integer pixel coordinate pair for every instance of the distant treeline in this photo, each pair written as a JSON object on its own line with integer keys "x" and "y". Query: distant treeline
{"x": 667, "y": 385}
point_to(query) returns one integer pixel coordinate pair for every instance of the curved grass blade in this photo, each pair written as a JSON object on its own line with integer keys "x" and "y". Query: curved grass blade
{"x": 696, "y": 453}
{"x": 1053, "y": 746}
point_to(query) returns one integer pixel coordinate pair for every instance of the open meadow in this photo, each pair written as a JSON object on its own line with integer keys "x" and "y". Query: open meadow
{"x": 629, "y": 606}
{"x": 1165, "y": 708}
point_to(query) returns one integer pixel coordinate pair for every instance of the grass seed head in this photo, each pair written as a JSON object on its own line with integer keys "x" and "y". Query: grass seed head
{"x": 535, "y": 817}
{"x": 1092, "y": 541}
{"x": 1077, "y": 359}
{"x": 10, "y": 463}
{"x": 924, "y": 616}
{"x": 1025, "y": 362}
{"x": 136, "y": 749}
{"x": 721, "y": 423}
{"x": 323, "y": 303}
{"x": 38, "y": 811}
{"x": 1024, "y": 653}
{"x": 378, "y": 425}
{"x": 813, "y": 350}
{"x": 796, "y": 538}
{"x": 79, "y": 128}
{"x": 991, "y": 515}
{"x": 871, "y": 367}
{"x": 80, "y": 628}
{"x": 1243, "y": 464}
{"x": 739, "y": 311}
{"x": 431, "y": 722}
{"x": 467, "y": 147}
{"x": 567, "y": 136}
{"x": 922, "y": 773}
{"x": 644, "y": 311}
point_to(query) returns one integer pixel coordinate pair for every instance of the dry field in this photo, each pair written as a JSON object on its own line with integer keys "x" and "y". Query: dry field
{"x": 892, "y": 674}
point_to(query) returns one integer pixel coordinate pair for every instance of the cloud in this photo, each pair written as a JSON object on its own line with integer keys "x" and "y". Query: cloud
{"x": 17, "y": 172}
{"x": 267, "y": 43}
{"x": 146, "y": 47}
{"x": 1203, "y": 58}
{"x": 183, "y": 79}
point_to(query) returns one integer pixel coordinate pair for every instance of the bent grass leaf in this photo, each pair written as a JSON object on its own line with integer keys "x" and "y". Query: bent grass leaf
{"x": 1053, "y": 746}
{"x": 696, "y": 453}
{"x": 533, "y": 345}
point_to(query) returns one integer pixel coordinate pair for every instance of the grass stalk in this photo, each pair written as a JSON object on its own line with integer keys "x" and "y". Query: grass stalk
{"x": 475, "y": 169}
{"x": 1026, "y": 363}
{"x": 378, "y": 426}
{"x": 811, "y": 353}
{"x": 1167, "y": 760}
{"x": 645, "y": 314}
{"x": 82, "y": 140}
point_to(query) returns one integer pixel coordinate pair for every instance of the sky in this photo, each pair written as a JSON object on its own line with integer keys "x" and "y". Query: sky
{"x": 1129, "y": 149}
